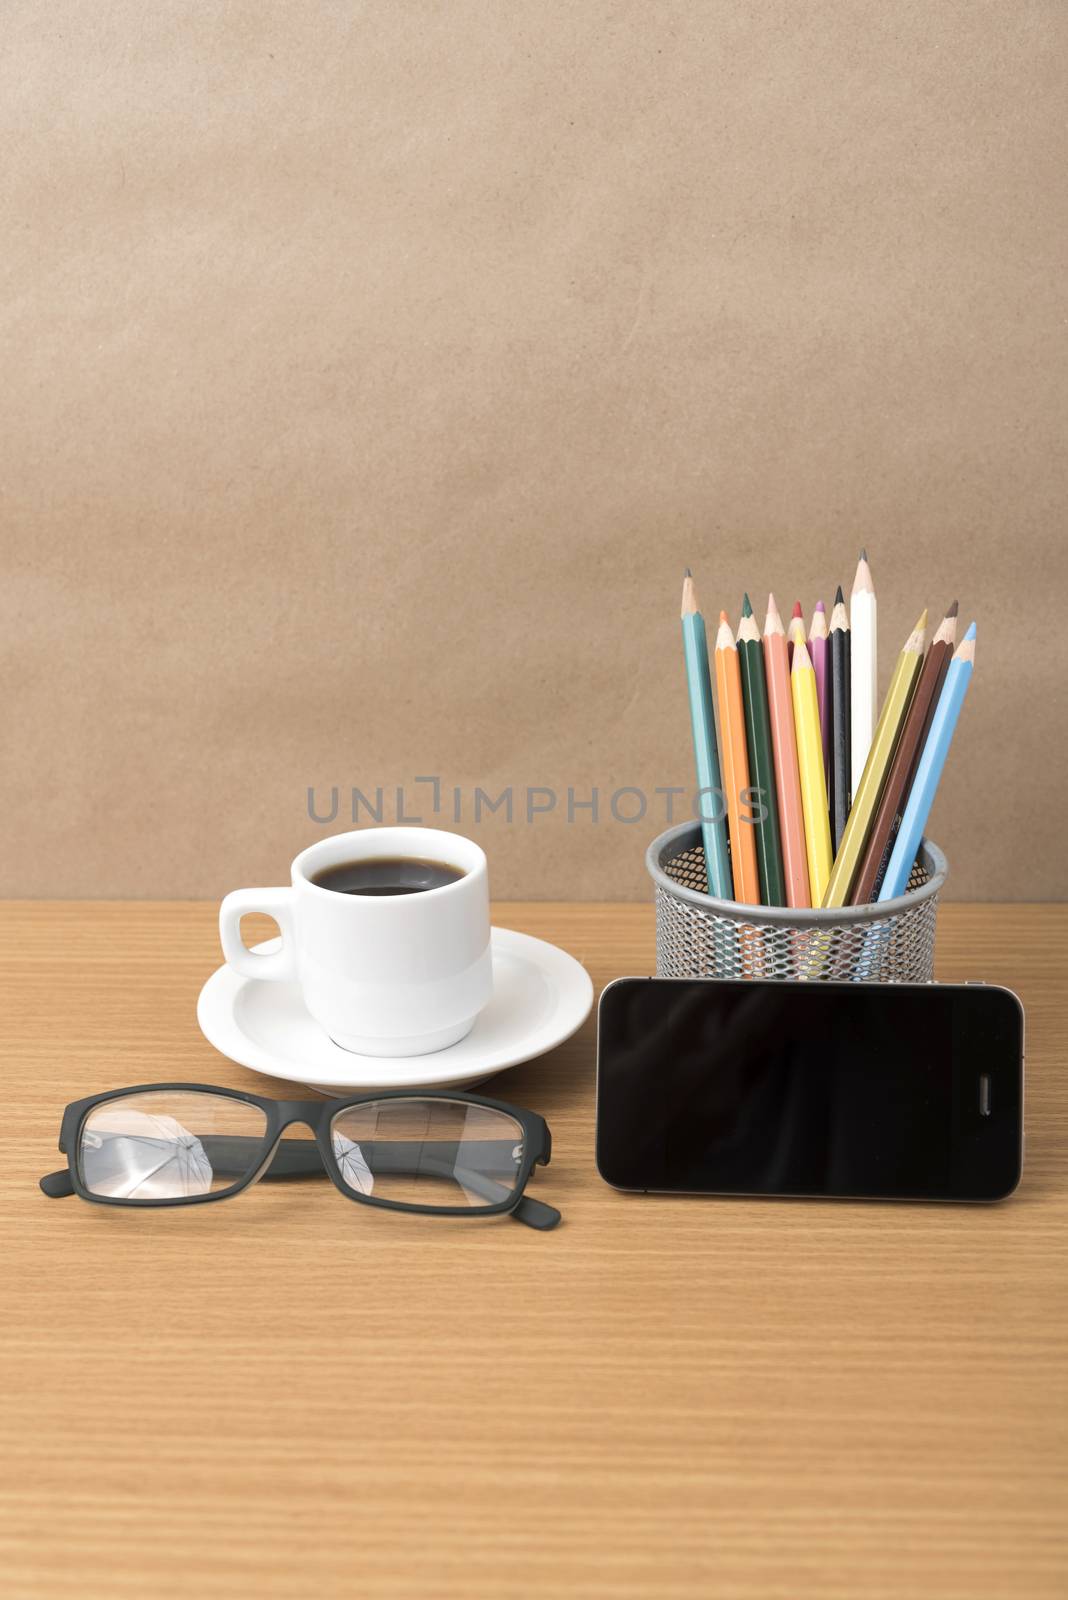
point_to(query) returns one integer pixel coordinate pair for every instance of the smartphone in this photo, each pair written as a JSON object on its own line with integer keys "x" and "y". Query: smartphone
{"x": 838, "y": 1090}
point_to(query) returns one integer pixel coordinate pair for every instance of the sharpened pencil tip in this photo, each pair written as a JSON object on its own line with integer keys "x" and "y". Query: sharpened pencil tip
{"x": 965, "y": 651}
{"x": 839, "y": 597}
{"x": 863, "y": 555}
{"x": 797, "y": 612}
{"x": 690, "y": 606}
{"x": 747, "y": 609}
{"x": 723, "y": 617}
{"x": 821, "y": 607}
{"x": 953, "y": 609}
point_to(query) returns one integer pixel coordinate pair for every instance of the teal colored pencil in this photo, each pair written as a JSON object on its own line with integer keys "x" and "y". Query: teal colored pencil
{"x": 929, "y": 771}
{"x": 712, "y": 808}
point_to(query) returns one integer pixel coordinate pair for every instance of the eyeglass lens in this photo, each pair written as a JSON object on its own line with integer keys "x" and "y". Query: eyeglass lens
{"x": 169, "y": 1144}
{"x": 428, "y": 1152}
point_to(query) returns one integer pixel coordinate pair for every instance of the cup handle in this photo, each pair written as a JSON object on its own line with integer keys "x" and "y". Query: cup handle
{"x": 279, "y": 965}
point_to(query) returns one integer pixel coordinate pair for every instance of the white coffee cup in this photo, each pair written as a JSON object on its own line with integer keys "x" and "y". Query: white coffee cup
{"x": 385, "y": 975}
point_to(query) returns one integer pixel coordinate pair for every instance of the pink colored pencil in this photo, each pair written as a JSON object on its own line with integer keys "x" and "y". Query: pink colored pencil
{"x": 819, "y": 650}
{"x": 784, "y": 750}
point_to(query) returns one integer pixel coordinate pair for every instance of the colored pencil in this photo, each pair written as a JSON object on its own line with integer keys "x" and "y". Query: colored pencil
{"x": 795, "y": 632}
{"x": 841, "y": 774}
{"x": 784, "y": 746}
{"x": 761, "y": 758}
{"x": 884, "y": 829}
{"x": 880, "y": 757}
{"x": 735, "y": 766}
{"x": 929, "y": 771}
{"x": 863, "y": 670}
{"x": 810, "y": 767}
{"x": 818, "y": 654}
{"x": 705, "y": 750}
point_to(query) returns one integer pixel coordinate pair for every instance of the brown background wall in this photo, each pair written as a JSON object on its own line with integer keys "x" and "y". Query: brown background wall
{"x": 373, "y": 370}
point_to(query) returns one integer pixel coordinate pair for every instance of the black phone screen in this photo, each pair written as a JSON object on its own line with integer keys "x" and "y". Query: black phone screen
{"x": 851, "y": 1090}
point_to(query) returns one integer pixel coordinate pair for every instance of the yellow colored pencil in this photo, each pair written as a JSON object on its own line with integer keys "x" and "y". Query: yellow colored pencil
{"x": 810, "y": 766}
{"x": 877, "y": 767}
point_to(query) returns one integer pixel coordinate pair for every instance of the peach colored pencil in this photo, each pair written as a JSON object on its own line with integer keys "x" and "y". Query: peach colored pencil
{"x": 784, "y": 745}
{"x": 735, "y": 759}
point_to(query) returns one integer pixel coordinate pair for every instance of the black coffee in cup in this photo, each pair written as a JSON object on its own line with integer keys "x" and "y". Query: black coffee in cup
{"x": 387, "y": 875}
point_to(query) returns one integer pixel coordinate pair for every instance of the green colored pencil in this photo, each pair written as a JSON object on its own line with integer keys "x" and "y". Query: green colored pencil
{"x": 761, "y": 758}
{"x": 711, "y": 807}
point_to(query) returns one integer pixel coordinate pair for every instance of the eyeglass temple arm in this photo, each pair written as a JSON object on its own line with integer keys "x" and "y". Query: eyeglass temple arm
{"x": 57, "y": 1185}
{"x": 294, "y": 1158}
{"x": 301, "y": 1158}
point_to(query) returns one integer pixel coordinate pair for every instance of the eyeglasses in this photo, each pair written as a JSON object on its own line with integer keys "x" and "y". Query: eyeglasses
{"x": 175, "y": 1144}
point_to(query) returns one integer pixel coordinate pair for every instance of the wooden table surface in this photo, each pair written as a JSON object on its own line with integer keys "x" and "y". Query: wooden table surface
{"x": 286, "y": 1395}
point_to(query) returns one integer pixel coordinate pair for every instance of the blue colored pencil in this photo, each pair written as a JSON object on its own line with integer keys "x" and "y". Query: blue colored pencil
{"x": 711, "y": 805}
{"x": 929, "y": 771}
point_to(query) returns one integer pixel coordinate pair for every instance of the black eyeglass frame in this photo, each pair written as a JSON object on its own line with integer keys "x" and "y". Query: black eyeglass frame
{"x": 296, "y": 1161}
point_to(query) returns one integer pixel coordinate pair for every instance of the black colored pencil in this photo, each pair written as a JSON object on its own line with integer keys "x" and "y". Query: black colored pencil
{"x": 841, "y": 755}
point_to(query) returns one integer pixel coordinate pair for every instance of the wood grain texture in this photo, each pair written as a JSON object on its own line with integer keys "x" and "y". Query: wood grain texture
{"x": 287, "y": 1396}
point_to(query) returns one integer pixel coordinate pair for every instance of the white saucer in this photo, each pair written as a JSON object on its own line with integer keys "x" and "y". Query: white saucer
{"x": 541, "y": 995}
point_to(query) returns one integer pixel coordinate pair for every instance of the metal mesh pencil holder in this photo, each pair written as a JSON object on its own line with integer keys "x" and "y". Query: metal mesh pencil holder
{"x": 698, "y": 936}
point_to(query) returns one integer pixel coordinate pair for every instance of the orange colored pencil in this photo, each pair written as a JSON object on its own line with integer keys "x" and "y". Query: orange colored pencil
{"x": 735, "y": 761}
{"x": 784, "y": 745}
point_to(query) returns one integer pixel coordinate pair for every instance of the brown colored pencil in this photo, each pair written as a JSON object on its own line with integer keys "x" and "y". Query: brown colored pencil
{"x": 906, "y": 760}
{"x": 884, "y": 745}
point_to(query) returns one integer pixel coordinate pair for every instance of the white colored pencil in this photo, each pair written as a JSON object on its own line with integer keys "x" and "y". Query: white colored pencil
{"x": 863, "y": 669}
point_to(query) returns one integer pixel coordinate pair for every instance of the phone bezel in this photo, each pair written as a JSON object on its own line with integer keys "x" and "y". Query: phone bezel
{"x": 967, "y": 989}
